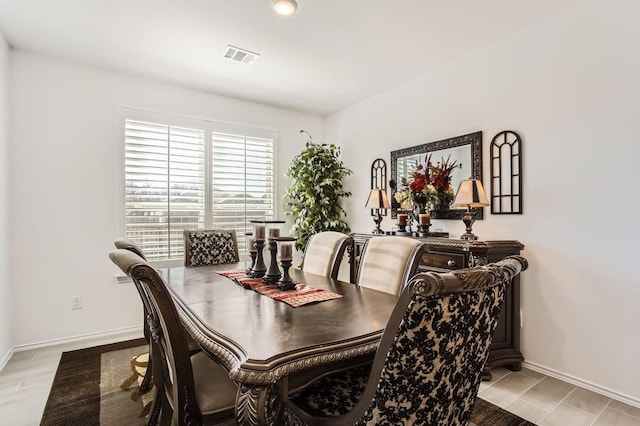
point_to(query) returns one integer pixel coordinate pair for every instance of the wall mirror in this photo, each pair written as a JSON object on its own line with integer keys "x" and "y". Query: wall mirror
{"x": 466, "y": 149}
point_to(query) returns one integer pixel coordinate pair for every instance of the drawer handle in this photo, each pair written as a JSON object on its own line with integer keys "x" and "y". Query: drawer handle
{"x": 451, "y": 263}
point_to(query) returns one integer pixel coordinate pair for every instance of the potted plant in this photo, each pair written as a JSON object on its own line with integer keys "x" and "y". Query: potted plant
{"x": 315, "y": 193}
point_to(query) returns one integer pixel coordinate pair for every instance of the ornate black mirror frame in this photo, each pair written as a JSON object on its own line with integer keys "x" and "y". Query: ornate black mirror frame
{"x": 474, "y": 140}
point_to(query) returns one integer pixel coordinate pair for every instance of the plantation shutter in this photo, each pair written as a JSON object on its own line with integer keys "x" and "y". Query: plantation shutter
{"x": 164, "y": 186}
{"x": 242, "y": 181}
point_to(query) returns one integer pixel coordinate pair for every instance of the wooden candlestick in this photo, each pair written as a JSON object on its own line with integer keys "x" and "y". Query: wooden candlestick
{"x": 273, "y": 274}
{"x": 259, "y": 268}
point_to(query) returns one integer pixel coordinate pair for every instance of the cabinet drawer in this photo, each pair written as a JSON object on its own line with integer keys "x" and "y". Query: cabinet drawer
{"x": 443, "y": 260}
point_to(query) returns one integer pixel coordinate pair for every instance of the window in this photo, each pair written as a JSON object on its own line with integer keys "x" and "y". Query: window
{"x": 203, "y": 175}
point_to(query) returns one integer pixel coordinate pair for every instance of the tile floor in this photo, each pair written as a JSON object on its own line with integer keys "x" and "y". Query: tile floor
{"x": 26, "y": 379}
{"x": 547, "y": 401}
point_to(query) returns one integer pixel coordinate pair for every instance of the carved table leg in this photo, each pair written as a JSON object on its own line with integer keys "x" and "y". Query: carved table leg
{"x": 258, "y": 405}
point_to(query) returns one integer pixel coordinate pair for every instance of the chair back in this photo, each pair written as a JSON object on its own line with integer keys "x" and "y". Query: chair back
{"x": 210, "y": 247}
{"x": 124, "y": 243}
{"x": 387, "y": 263}
{"x": 172, "y": 371}
{"x": 428, "y": 367}
{"x": 324, "y": 253}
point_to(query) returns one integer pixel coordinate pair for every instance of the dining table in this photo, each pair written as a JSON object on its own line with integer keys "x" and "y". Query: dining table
{"x": 269, "y": 347}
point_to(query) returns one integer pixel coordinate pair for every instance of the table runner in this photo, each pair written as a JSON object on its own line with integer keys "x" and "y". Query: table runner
{"x": 302, "y": 295}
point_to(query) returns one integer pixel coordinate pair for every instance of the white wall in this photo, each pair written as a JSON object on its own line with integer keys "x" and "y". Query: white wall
{"x": 64, "y": 203}
{"x": 570, "y": 88}
{"x": 5, "y": 288}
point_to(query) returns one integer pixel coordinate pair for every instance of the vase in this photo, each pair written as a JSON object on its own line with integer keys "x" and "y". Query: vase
{"x": 442, "y": 201}
{"x": 440, "y": 206}
{"x": 419, "y": 206}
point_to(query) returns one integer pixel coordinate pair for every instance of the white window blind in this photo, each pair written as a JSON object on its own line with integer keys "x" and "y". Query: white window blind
{"x": 179, "y": 178}
{"x": 242, "y": 175}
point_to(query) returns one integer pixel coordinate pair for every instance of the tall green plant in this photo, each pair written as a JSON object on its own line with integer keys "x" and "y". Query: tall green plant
{"x": 316, "y": 191}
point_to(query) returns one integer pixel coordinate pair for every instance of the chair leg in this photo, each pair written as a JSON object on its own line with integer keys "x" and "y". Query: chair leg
{"x": 166, "y": 415}
{"x": 154, "y": 411}
{"x": 146, "y": 384}
{"x": 146, "y": 380}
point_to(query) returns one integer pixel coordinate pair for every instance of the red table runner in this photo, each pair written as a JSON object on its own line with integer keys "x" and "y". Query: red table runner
{"x": 302, "y": 295}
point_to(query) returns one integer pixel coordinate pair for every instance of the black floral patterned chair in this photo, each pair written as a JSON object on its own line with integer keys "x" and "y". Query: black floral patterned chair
{"x": 210, "y": 247}
{"x": 428, "y": 367}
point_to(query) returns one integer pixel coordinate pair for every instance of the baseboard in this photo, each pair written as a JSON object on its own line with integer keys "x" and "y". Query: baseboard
{"x": 6, "y": 358}
{"x": 110, "y": 336}
{"x": 583, "y": 384}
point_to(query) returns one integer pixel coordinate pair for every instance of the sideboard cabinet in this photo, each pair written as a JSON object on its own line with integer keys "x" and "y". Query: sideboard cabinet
{"x": 446, "y": 254}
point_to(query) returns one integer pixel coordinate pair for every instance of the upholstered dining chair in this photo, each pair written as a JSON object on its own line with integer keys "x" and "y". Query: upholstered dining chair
{"x": 387, "y": 262}
{"x": 190, "y": 388}
{"x": 428, "y": 366}
{"x": 324, "y": 253}
{"x": 210, "y": 247}
{"x": 123, "y": 243}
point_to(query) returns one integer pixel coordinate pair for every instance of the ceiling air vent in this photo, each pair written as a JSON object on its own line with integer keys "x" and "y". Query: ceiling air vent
{"x": 240, "y": 55}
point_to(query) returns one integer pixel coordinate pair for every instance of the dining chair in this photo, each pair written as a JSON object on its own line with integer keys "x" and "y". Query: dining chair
{"x": 324, "y": 253}
{"x": 123, "y": 243}
{"x": 387, "y": 262}
{"x": 190, "y": 388}
{"x": 210, "y": 247}
{"x": 428, "y": 366}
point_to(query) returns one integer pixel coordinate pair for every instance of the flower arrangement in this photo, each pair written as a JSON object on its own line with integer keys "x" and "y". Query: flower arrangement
{"x": 428, "y": 185}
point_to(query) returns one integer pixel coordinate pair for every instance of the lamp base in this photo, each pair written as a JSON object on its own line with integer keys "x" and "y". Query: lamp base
{"x": 377, "y": 219}
{"x": 468, "y": 236}
{"x": 468, "y": 219}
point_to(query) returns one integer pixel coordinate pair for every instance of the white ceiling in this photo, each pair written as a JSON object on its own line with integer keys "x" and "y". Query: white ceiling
{"x": 329, "y": 55}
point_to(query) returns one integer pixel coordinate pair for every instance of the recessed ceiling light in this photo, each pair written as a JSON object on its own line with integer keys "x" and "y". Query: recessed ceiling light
{"x": 284, "y": 7}
{"x": 240, "y": 55}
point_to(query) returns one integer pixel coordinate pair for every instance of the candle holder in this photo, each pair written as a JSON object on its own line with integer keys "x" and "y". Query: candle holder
{"x": 252, "y": 251}
{"x": 404, "y": 223}
{"x": 286, "y": 258}
{"x": 272, "y": 232}
{"x": 259, "y": 268}
{"x": 423, "y": 229}
{"x": 425, "y": 223}
{"x": 273, "y": 228}
{"x": 273, "y": 274}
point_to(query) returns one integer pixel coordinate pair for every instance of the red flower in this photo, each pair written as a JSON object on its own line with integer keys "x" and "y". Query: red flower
{"x": 441, "y": 174}
{"x": 419, "y": 182}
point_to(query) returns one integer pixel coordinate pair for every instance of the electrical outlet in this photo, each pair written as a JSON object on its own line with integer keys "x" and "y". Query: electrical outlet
{"x": 76, "y": 302}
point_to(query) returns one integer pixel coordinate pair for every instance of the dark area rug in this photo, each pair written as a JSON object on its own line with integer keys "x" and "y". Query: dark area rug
{"x": 81, "y": 390}
{"x": 99, "y": 386}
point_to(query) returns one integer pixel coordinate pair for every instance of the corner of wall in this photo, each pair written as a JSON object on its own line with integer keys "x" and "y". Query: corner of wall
{"x": 5, "y": 289}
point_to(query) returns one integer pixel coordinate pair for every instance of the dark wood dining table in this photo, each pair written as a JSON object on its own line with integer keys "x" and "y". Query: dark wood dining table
{"x": 269, "y": 347}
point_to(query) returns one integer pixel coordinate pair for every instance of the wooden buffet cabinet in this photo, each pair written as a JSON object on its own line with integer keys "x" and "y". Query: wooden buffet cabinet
{"x": 445, "y": 254}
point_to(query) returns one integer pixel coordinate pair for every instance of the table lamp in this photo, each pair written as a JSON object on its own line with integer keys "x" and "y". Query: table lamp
{"x": 378, "y": 200}
{"x": 470, "y": 195}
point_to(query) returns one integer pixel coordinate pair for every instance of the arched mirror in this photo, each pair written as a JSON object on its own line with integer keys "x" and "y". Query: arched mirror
{"x": 465, "y": 149}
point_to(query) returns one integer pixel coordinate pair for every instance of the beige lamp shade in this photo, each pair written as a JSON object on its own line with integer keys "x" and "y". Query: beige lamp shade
{"x": 378, "y": 199}
{"x": 471, "y": 194}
